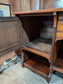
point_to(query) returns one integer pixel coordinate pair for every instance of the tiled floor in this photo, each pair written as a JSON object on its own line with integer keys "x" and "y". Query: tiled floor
{"x": 18, "y": 75}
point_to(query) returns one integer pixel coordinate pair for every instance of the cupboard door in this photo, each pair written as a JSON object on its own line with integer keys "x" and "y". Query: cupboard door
{"x": 10, "y": 36}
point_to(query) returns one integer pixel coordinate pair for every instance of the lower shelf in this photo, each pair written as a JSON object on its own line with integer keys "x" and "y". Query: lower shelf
{"x": 38, "y": 68}
{"x": 37, "y": 64}
{"x": 58, "y": 66}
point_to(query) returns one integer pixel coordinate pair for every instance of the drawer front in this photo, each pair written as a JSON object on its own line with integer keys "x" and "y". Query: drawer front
{"x": 59, "y": 34}
{"x": 60, "y": 26}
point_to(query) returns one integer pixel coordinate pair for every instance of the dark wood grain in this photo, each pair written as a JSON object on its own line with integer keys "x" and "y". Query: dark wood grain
{"x": 10, "y": 36}
{"x": 53, "y": 48}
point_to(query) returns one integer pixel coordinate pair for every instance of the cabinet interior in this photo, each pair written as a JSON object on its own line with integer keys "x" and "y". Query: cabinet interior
{"x": 38, "y": 32}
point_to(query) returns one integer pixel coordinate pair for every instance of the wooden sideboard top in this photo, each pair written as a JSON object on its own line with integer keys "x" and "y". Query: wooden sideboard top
{"x": 39, "y": 11}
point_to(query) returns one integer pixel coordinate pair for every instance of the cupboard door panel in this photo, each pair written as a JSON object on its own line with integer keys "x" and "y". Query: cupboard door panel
{"x": 9, "y": 35}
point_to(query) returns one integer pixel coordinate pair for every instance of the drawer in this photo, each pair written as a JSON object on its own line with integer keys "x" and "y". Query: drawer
{"x": 60, "y": 26}
{"x": 59, "y": 34}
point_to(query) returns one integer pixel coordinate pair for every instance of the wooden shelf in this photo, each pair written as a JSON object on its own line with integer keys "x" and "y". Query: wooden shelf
{"x": 33, "y": 65}
{"x": 39, "y": 11}
{"x": 40, "y": 46}
{"x": 43, "y": 12}
{"x": 37, "y": 64}
{"x": 58, "y": 66}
